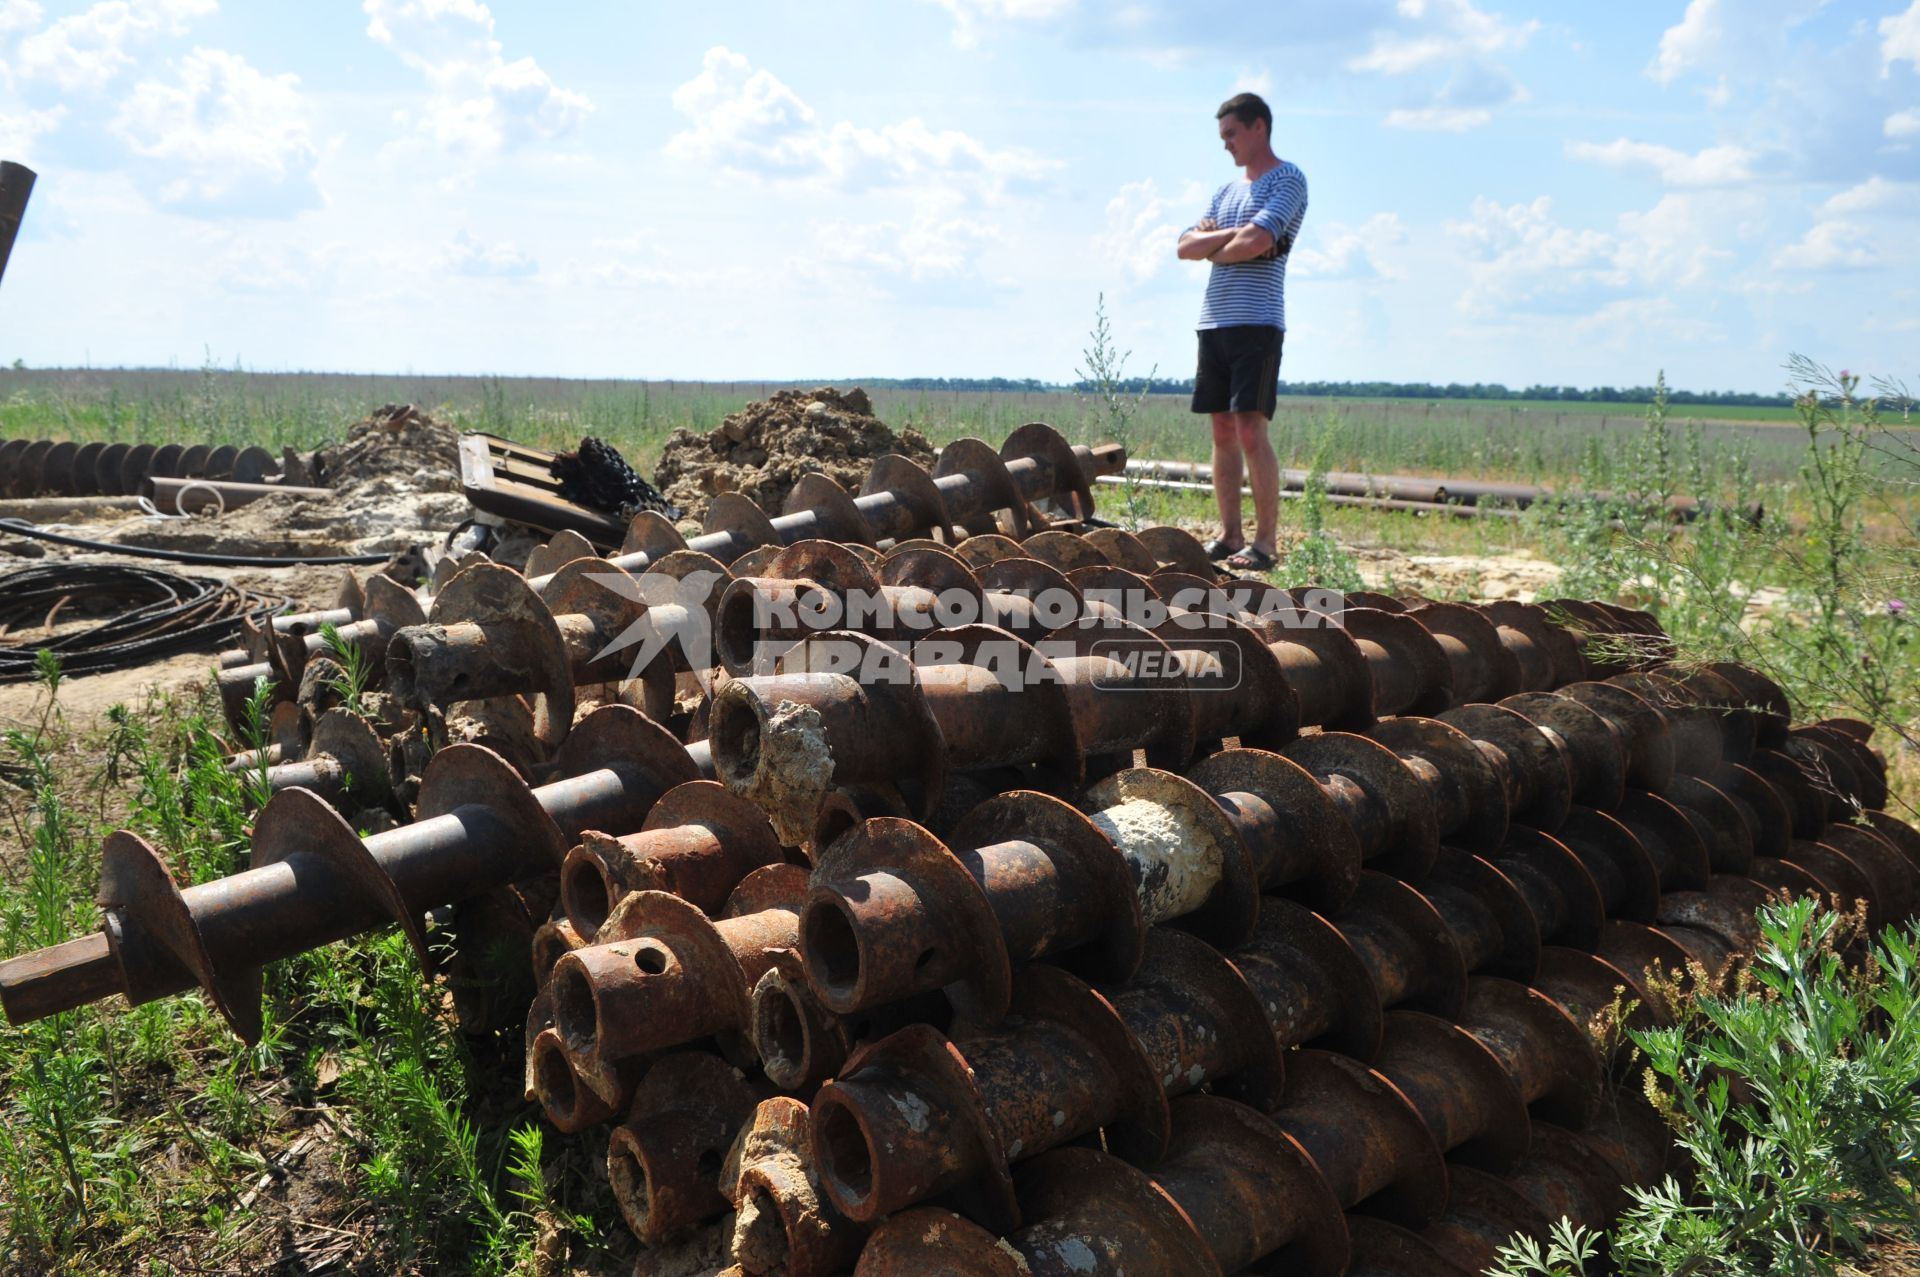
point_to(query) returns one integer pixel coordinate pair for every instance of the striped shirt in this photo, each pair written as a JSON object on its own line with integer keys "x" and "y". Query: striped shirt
{"x": 1255, "y": 292}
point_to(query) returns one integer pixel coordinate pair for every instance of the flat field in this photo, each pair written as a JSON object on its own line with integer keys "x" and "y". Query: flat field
{"x": 365, "y": 1135}
{"x": 1523, "y": 440}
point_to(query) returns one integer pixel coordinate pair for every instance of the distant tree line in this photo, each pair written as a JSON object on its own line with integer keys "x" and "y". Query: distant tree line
{"x": 955, "y": 383}
{"x": 1356, "y": 390}
{"x": 1476, "y": 390}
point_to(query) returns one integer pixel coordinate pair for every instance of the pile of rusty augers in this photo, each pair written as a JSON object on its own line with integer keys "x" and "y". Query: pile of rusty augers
{"x": 936, "y": 881}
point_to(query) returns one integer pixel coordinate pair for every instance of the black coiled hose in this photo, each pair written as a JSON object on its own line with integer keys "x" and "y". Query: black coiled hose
{"x": 147, "y": 614}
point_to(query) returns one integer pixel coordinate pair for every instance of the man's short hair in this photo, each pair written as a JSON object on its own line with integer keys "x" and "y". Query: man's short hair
{"x": 1246, "y": 108}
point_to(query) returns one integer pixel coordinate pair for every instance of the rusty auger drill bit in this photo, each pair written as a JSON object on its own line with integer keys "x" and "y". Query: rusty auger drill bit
{"x": 1233, "y": 1190}
{"x": 971, "y": 483}
{"x": 1367, "y": 1140}
{"x": 349, "y": 605}
{"x": 490, "y": 634}
{"x": 698, "y": 842}
{"x": 544, "y": 633}
{"x": 663, "y": 1162}
{"x": 343, "y": 762}
{"x": 893, "y": 912}
{"x": 1405, "y": 945}
{"x": 388, "y": 608}
{"x": 1467, "y": 1101}
{"x": 365, "y": 617}
{"x": 915, "y": 1115}
{"x": 784, "y": 1223}
{"x": 289, "y": 728}
{"x": 1480, "y": 665}
{"x": 313, "y": 881}
{"x": 944, "y": 709}
{"x": 1628, "y": 1142}
{"x": 661, "y": 973}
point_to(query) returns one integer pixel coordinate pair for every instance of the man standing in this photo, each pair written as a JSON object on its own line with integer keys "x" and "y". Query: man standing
{"x": 1247, "y": 233}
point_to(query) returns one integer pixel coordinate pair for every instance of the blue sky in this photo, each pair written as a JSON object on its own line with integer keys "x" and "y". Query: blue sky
{"x": 1579, "y": 194}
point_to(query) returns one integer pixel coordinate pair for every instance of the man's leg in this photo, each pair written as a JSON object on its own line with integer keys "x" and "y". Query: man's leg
{"x": 1226, "y": 478}
{"x": 1263, "y": 472}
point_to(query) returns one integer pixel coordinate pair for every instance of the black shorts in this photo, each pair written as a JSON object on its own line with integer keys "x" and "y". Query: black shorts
{"x": 1239, "y": 369}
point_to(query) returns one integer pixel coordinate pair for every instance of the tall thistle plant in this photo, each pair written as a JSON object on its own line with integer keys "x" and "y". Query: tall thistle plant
{"x": 1102, "y": 376}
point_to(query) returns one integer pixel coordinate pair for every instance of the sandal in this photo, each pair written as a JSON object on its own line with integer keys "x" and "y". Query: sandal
{"x": 1218, "y": 549}
{"x": 1251, "y": 559}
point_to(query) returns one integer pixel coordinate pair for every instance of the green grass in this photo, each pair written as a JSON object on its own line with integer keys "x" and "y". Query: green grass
{"x": 124, "y": 1132}
{"x": 150, "y": 1140}
{"x": 1530, "y": 442}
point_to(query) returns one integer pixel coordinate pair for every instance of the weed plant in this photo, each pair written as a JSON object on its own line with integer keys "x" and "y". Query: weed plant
{"x": 131, "y": 1138}
{"x": 1817, "y": 601}
{"x": 1317, "y": 558}
{"x": 1795, "y": 1096}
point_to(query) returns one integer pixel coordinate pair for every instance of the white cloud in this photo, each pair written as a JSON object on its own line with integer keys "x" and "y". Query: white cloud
{"x": 1142, "y": 227}
{"x": 1454, "y": 36}
{"x": 933, "y": 256}
{"x": 18, "y": 132}
{"x": 19, "y": 15}
{"x": 1438, "y": 119}
{"x": 1314, "y": 36}
{"x": 969, "y": 16}
{"x": 1711, "y": 166}
{"x": 265, "y": 268}
{"x": 1253, "y": 80}
{"x": 1900, "y": 38}
{"x": 86, "y": 51}
{"x": 1526, "y": 237}
{"x": 1687, "y": 41}
{"x": 222, "y": 137}
{"x": 1875, "y": 195}
{"x": 748, "y": 121}
{"x": 600, "y": 272}
{"x": 1743, "y": 37}
{"x": 1683, "y": 239}
{"x": 1441, "y": 32}
{"x": 1348, "y": 252}
{"x": 1831, "y": 244}
{"x": 1522, "y": 261}
{"x": 480, "y": 104}
{"x": 1903, "y": 124}
{"x": 465, "y": 255}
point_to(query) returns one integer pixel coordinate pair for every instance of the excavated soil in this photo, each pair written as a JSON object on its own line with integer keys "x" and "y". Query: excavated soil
{"x": 394, "y": 484}
{"x": 762, "y": 450}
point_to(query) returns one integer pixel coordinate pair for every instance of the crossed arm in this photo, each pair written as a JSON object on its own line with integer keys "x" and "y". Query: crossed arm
{"x": 1207, "y": 242}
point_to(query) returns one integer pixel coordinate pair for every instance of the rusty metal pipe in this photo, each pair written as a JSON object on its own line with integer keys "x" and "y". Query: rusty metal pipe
{"x": 1406, "y": 946}
{"x": 314, "y": 881}
{"x": 914, "y": 1115}
{"x": 971, "y": 482}
{"x": 1368, "y": 1141}
{"x": 1468, "y": 1102}
{"x": 344, "y": 763}
{"x": 698, "y": 842}
{"x": 660, "y": 973}
{"x": 664, "y": 1161}
{"x": 785, "y": 1225}
{"x": 389, "y": 608}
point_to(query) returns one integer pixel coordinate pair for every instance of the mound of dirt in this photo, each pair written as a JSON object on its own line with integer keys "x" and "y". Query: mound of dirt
{"x": 762, "y": 450}
{"x": 400, "y": 443}
{"x": 395, "y": 483}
